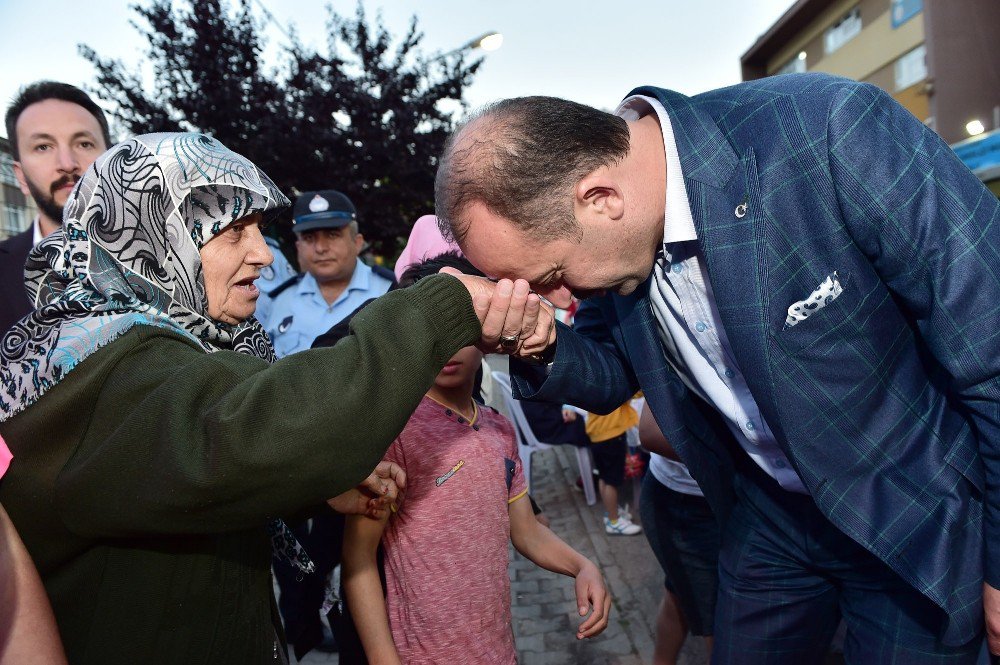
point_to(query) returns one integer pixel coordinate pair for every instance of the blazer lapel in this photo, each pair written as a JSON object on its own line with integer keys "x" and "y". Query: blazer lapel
{"x": 726, "y": 204}
{"x": 732, "y": 233}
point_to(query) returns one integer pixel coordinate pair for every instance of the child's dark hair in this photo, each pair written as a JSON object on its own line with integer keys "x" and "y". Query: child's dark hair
{"x": 432, "y": 266}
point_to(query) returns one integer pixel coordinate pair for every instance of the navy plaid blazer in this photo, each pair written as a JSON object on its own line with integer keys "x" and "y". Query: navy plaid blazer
{"x": 886, "y": 400}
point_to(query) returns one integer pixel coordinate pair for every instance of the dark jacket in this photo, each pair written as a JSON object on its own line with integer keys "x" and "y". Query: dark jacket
{"x": 14, "y": 302}
{"x": 143, "y": 481}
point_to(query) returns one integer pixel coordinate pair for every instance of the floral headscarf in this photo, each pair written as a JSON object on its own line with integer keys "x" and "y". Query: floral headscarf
{"x": 128, "y": 254}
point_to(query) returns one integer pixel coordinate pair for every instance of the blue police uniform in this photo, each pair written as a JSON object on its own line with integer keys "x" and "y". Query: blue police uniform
{"x": 271, "y": 277}
{"x": 299, "y": 314}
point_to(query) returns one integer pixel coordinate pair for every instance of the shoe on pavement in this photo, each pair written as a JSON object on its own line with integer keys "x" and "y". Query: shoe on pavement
{"x": 623, "y": 526}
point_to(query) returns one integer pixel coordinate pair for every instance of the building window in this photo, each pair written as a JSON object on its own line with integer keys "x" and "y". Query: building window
{"x": 13, "y": 196}
{"x": 904, "y": 10}
{"x": 842, "y": 31}
{"x": 7, "y": 170}
{"x": 911, "y": 68}
{"x": 796, "y": 65}
{"x": 13, "y": 220}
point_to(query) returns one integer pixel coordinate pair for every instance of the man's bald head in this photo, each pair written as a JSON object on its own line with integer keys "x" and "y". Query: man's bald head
{"x": 521, "y": 159}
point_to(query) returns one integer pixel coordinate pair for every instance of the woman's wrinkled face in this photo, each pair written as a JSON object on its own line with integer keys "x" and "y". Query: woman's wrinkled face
{"x": 230, "y": 262}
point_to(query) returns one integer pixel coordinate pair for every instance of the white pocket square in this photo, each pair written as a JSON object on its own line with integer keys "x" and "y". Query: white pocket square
{"x": 824, "y": 294}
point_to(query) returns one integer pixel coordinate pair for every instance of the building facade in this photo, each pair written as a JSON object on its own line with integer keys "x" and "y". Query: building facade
{"x": 16, "y": 210}
{"x": 938, "y": 58}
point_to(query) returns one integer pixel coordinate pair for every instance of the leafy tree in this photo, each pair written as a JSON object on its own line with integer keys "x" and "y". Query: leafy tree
{"x": 368, "y": 116}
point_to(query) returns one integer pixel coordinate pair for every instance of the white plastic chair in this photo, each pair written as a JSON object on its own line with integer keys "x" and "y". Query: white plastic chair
{"x": 528, "y": 444}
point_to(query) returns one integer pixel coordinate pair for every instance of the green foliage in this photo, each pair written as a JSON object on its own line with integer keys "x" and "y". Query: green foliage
{"x": 368, "y": 116}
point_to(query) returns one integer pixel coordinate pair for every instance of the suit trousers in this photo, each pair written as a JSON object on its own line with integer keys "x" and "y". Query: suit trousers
{"x": 787, "y": 576}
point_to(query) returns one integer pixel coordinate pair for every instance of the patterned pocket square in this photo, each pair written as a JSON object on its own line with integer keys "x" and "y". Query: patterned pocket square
{"x": 825, "y": 294}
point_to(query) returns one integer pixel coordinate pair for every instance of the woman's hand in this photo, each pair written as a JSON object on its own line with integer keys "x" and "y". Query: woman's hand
{"x": 374, "y": 495}
{"x": 515, "y": 320}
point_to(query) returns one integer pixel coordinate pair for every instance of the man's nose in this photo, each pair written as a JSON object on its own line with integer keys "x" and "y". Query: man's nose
{"x": 559, "y": 296}
{"x": 68, "y": 161}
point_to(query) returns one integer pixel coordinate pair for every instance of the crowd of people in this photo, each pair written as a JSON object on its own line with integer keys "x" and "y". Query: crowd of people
{"x": 796, "y": 274}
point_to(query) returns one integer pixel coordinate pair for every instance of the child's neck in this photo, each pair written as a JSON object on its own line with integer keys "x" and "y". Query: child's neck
{"x": 457, "y": 399}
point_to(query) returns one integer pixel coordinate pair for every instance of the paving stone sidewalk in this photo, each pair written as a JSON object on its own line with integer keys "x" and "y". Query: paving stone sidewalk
{"x": 543, "y": 603}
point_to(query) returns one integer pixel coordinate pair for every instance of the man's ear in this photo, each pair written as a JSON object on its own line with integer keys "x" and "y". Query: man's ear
{"x": 599, "y": 193}
{"x": 359, "y": 242}
{"x": 21, "y": 180}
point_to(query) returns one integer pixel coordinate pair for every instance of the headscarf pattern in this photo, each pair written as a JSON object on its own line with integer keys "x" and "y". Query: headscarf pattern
{"x": 128, "y": 254}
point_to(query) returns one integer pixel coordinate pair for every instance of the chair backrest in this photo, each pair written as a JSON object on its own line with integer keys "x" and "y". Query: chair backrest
{"x": 521, "y": 425}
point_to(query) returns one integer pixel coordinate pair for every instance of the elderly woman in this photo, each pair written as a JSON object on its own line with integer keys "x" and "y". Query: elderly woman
{"x": 156, "y": 442}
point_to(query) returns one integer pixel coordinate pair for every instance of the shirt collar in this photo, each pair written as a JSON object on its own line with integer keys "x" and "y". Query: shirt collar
{"x": 678, "y": 224}
{"x": 361, "y": 279}
{"x": 36, "y": 232}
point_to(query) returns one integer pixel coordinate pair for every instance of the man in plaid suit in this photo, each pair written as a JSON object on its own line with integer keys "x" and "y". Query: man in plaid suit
{"x": 805, "y": 282}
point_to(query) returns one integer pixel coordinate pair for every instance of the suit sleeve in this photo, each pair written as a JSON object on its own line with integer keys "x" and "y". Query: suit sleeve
{"x": 589, "y": 369}
{"x": 929, "y": 228}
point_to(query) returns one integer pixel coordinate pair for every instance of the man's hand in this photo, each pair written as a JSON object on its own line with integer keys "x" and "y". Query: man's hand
{"x": 375, "y": 493}
{"x": 509, "y": 310}
{"x": 991, "y": 606}
{"x": 591, "y": 593}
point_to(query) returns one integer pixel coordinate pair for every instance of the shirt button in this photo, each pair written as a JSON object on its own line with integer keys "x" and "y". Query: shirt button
{"x": 677, "y": 268}
{"x": 780, "y": 463}
{"x": 447, "y": 412}
{"x": 475, "y": 427}
{"x": 750, "y": 426}
{"x": 700, "y": 327}
{"x": 729, "y": 373}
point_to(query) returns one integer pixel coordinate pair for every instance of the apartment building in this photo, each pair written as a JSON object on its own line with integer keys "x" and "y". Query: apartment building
{"x": 938, "y": 58}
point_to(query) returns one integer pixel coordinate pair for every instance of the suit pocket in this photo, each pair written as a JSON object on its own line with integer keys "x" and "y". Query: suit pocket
{"x": 823, "y": 324}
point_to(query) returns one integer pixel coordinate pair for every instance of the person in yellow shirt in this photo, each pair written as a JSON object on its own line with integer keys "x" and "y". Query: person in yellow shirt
{"x": 608, "y": 436}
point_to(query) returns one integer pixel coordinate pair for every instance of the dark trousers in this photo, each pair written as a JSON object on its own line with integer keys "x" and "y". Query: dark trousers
{"x": 302, "y": 595}
{"x": 787, "y": 576}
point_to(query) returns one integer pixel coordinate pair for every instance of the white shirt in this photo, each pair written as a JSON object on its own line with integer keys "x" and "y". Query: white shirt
{"x": 694, "y": 340}
{"x": 36, "y": 232}
{"x": 673, "y": 474}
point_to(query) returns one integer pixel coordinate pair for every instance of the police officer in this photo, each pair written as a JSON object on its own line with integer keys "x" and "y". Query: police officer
{"x": 333, "y": 282}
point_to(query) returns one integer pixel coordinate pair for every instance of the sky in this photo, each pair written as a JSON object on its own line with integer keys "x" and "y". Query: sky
{"x": 592, "y": 52}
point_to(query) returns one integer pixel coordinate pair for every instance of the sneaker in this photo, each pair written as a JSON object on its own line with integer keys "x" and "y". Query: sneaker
{"x": 624, "y": 512}
{"x": 623, "y": 526}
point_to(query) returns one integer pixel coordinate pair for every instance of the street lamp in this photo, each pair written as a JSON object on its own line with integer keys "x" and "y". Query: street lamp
{"x": 488, "y": 41}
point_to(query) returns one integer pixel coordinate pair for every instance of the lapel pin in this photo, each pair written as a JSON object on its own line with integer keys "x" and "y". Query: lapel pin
{"x": 741, "y": 210}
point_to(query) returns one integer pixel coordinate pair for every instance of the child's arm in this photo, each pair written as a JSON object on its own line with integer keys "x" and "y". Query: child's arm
{"x": 546, "y": 549}
{"x": 363, "y": 588}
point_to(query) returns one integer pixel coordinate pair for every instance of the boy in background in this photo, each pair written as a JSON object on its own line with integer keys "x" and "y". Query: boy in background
{"x": 610, "y": 444}
{"x": 447, "y": 586}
